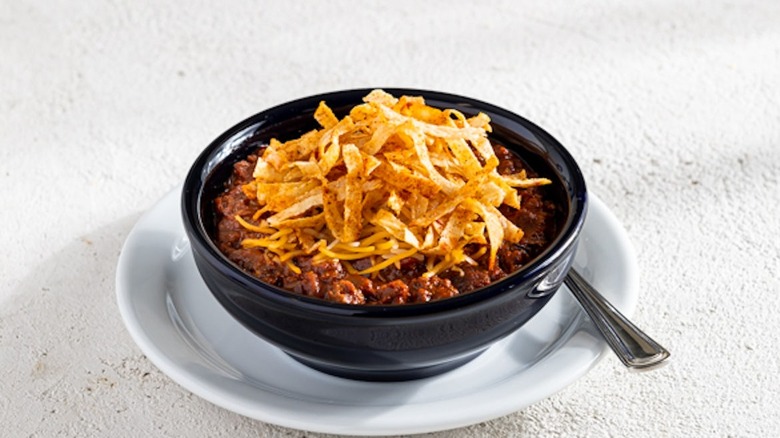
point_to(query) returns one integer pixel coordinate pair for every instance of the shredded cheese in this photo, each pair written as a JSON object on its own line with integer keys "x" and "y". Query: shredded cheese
{"x": 393, "y": 179}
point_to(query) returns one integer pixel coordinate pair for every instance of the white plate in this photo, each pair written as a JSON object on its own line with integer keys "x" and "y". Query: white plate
{"x": 182, "y": 329}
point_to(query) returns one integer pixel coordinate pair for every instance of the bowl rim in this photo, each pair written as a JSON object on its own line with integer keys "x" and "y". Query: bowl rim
{"x": 191, "y": 205}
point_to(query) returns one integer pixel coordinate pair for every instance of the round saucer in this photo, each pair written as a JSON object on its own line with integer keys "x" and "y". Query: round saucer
{"x": 184, "y": 331}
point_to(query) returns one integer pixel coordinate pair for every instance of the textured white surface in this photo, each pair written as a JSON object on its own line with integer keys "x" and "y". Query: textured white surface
{"x": 671, "y": 107}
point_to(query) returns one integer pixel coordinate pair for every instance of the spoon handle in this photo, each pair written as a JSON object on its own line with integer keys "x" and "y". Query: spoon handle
{"x": 635, "y": 349}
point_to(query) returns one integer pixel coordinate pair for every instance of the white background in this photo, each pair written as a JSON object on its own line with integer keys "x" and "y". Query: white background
{"x": 672, "y": 109}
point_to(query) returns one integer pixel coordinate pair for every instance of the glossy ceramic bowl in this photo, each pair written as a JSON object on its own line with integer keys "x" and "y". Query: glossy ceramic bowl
{"x": 380, "y": 342}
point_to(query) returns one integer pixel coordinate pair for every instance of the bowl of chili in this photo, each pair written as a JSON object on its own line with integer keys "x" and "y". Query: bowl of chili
{"x": 402, "y": 323}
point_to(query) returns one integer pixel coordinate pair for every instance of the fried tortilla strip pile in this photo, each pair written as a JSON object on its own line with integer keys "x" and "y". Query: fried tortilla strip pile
{"x": 395, "y": 178}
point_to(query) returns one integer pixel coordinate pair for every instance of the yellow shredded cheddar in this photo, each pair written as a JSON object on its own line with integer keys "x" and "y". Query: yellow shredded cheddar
{"x": 395, "y": 178}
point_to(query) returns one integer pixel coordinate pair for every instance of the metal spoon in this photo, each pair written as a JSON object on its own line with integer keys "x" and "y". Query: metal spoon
{"x": 633, "y": 347}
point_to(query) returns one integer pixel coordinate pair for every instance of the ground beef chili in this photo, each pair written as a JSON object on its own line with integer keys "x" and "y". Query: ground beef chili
{"x": 538, "y": 218}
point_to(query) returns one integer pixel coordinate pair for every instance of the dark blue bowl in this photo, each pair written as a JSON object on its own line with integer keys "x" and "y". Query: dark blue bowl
{"x": 380, "y": 342}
